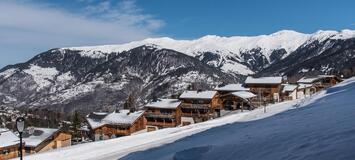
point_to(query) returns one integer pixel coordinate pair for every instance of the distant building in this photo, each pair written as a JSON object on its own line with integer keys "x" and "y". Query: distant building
{"x": 163, "y": 113}
{"x": 105, "y": 125}
{"x": 45, "y": 139}
{"x": 199, "y": 105}
{"x": 235, "y": 96}
{"x": 305, "y": 90}
{"x": 320, "y": 82}
{"x": 230, "y": 88}
{"x": 9, "y": 144}
{"x": 289, "y": 91}
{"x": 268, "y": 89}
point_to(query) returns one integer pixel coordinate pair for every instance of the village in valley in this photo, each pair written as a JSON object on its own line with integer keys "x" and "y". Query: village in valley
{"x": 191, "y": 106}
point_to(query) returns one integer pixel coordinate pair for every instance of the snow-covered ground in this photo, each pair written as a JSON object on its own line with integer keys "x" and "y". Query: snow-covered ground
{"x": 320, "y": 127}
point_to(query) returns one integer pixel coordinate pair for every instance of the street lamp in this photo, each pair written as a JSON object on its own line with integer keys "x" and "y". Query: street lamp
{"x": 20, "y": 126}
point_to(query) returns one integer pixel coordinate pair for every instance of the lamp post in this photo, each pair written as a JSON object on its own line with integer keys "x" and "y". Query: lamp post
{"x": 20, "y": 126}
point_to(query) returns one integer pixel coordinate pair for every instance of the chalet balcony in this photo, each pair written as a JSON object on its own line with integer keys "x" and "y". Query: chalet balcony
{"x": 205, "y": 115}
{"x": 195, "y": 106}
{"x": 160, "y": 115}
{"x": 162, "y": 124}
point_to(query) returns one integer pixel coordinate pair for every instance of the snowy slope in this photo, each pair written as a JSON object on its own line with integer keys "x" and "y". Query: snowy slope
{"x": 304, "y": 130}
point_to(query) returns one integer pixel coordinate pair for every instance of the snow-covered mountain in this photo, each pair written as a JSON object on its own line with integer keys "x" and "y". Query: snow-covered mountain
{"x": 64, "y": 80}
{"x": 97, "y": 77}
{"x": 319, "y": 127}
{"x": 334, "y": 55}
{"x": 236, "y": 55}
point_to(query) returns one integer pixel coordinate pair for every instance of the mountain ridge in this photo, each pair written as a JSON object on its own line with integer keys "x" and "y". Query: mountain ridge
{"x": 102, "y": 77}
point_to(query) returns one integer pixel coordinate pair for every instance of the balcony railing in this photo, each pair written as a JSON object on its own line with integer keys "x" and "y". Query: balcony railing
{"x": 198, "y": 115}
{"x": 195, "y": 106}
{"x": 163, "y": 124}
{"x": 159, "y": 115}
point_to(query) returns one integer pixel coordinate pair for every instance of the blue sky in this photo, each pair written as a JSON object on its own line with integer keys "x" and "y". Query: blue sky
{"x": 33, "y": 26}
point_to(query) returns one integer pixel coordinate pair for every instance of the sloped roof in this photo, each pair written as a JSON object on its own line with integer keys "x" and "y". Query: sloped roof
{"x": 303, "y": 86}
{"x": 308, "y": 80}
{"x": 165, "y": 103}
{"x": 232, "y": 87}
{"x": 124, "y": 117}
{"x": 198, "y": 95}
{"x": 244, "y": 94}
{"x": 263, "y": 80}
{"x": 38, "y": 136}
{"x": 289, "y": 87}
{"x": 8, "y": 138}
{"x": 314, "y": 78}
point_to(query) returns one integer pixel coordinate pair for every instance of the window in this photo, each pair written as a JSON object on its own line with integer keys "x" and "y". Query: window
{"x": 166, "y": 111}
{"x": 5, "y": 151}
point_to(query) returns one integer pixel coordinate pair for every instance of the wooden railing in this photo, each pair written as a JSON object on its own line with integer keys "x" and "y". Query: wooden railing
{"x": 197, "y": 115}
{"x": 160, "y": 115}
{"x": 164, "y": 124}
{"x": 195, "y": 106}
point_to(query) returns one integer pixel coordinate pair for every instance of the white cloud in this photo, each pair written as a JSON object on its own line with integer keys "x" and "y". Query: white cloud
{"x": 22, "y": 22}
{"x": 27, "y": 27}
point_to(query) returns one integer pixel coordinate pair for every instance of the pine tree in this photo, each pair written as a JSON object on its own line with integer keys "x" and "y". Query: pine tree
{"x": 130, "y": 103}
{"x": 76, "y": 124}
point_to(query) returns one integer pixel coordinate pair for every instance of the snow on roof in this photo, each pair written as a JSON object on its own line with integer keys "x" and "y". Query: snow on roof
{"x": 115, "y": 118}
{"x": 198, "y": 94}
{"x": 165, "y": 103}
{"x": 289, "y": 87}
{"x": 303, "y": 86}
{"x": 313, "y": 78}
{"x": 244, "y": 94}
{"x": 263, "y": 80}
{"x": 308, "y": 80}
{"x": 8, "y": 138}
{"x": 232, "y": 87}
{"x": 38, "y": 136}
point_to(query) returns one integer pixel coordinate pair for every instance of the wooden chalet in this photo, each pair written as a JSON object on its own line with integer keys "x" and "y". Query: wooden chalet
{"x": 235, "y": 96}
{"x": 289, "y": 92}
{"x": 9, "y": 144}
{"x": 305, "y": 90}
{"x": 268, "y": 89}
{"x": 320, "y": 82}
{"x": 105, "y": 125}
{"x": 45, "y": 139}
{"x": 200, "y": 105}
{"x": 163, "y": 113}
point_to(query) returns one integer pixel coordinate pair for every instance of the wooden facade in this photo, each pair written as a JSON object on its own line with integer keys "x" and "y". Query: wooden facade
{"x": 9, "y": 144}
{"x": 232, "y": 102}
{"x": 289, "y": 92}
{"x": 9, "y": 152}
{"x": 305, "y": 90}
{"x": 201, "y": 109}
{"x": 116, "y": 124}
{"x": 163, "y": 117}
{"x": 267, "y": 93}
{"x": 108, "y": 131}
{"x": 325, "y": 82}
{"x": 320, "y": 82}
{"x": 59, "y": 139}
